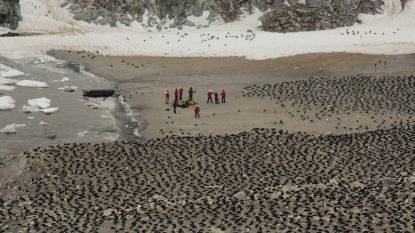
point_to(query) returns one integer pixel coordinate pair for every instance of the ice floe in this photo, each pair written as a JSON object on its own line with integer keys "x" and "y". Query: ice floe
{"x": 7, "y": 72}
{"x": 6, "y": 88}
{"x": 31, "y": 83}
{"x": 11, "y": 128}
{"x": 7, "y": 81}
{"x": 40, "y": 102}
{"x": 50, "y": 110}
{"x": 6, "y": 103}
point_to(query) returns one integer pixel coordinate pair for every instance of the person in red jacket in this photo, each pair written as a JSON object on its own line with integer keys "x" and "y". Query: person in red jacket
{"x": 176, "y": 95}
{"x": 174, "y": 106}
{"x": 167, "y": 94}
{"x": 223, "y": 94}
{"x": 197, "y": 111}
{"x": 180, "y": 93}
{"x": 209, "y": 96}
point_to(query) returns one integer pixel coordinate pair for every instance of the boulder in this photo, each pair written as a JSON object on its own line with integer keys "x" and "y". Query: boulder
{"x": 10, "y": 13}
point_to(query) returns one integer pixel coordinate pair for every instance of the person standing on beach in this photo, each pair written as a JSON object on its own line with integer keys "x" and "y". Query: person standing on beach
{"x": 223, "y": 94}
{"x": 216, "y": 98}
{"x": 197, "y": 111}
{"x": 176, "y": 95}
{"x": 180, "y": 93}
{"x": 174, "y": 106}
{"x": 209, "y": 96}
{"x": 167, "y": 93}
{"x": 191, "y": 93}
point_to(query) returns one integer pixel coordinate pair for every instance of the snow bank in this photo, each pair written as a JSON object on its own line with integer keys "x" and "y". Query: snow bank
{"x": 31, "y": 83}
{"x": 6, "y": 103}
{"x": 40, "y": 102}
{"x": 7, "y": 72}
{"x": 11, "y": 128}
{"x": 6, "y": 88}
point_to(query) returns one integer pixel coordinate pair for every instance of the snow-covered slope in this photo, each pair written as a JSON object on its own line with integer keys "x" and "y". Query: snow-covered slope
{"x": 390, "y": 33}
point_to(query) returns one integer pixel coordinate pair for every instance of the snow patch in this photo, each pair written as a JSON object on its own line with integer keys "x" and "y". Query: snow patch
{"x": 6, "y": 103}
{"x": 65, "y": 79}
{"x": 31, "y": 83}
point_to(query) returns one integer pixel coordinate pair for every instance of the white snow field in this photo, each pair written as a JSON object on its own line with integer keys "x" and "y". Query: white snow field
{"x": 392, "y": 32}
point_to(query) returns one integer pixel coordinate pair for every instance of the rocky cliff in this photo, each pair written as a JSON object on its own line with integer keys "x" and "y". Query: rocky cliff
{"x": 10, "y": 13}
{"x": 126, "y": 11}
{"x": 318, "y": 15}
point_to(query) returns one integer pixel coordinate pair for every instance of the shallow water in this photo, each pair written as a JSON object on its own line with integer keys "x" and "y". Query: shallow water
{"x": 78, "y": 119}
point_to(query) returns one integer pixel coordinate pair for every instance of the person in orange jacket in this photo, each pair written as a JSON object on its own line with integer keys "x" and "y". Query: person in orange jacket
{"x": 223, "y": 94}
{"x": 197, "y": 111}
{"x": 167, "y": 94}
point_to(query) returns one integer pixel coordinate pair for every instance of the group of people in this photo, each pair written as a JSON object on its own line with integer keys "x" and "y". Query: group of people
{"x": 222, "y": 94}
{"x": 178, "y": 96}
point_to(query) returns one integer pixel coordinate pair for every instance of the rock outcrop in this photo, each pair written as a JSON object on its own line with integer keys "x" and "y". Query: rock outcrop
{"x": 10, "y": 13}
{"x": 157, "y": 12}
{"x": 318, "y": 15}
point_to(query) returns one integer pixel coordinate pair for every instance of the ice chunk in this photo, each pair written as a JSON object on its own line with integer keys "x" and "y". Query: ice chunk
{"x": 6, "y": 88}
{"x": 7, "y": 81}
{"x": 68, "y": 89}
{"x": 6, "y": 103}
{"x": 65, "y": 79}
{"x": 29, "y": 109}
{"x": 43, "y": 58}
{"x": 11, "y": 128}
{"x": 42, "y": 123}
{"x": 31, "y": 83}
{"x": 50, "y": 110}
{"x": 40, "y": 102}
{"x": 7, "y": 72}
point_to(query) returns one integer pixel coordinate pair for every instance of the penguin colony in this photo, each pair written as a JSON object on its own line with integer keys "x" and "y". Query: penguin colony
{"x": 263, "y": 180}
